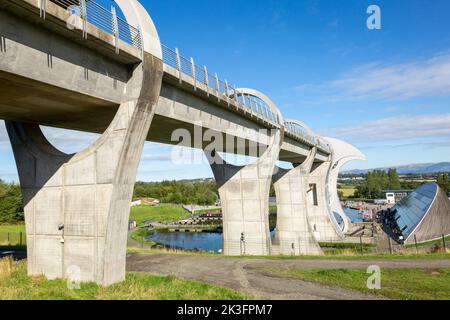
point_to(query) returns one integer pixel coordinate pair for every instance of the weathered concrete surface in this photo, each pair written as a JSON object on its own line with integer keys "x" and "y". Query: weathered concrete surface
{"x": 294, "y": 234}
{"x": 323, "y": 223}
{"x": 72, "y": 83}
{"x": 244, "y": 194}
{"x": 88, "y": 193}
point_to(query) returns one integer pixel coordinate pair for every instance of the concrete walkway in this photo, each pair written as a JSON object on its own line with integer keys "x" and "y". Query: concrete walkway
{"x": 243, "y": 274}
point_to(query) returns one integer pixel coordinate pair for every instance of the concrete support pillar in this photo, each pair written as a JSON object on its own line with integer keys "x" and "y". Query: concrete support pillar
{"x": 77, "y": 206}
{"x": 294, "y": 234}
{"x": 244, "y": 193}
{"x": 321, "y": 217}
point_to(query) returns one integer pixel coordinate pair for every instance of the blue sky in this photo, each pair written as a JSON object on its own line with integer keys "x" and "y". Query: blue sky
{"x": 386, "y": 91}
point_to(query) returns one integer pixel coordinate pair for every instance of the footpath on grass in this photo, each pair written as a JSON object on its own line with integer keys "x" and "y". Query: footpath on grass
{"x": 248, "y": 275}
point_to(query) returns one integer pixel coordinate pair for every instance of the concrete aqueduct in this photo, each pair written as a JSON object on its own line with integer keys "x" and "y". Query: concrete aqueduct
{"x": 73, "y": 64}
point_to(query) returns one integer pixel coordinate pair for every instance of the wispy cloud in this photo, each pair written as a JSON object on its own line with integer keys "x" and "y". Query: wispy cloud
{"x": 376, "y": 81}
{"x": 395, "y": 128}
{"x": 430, "y": 144}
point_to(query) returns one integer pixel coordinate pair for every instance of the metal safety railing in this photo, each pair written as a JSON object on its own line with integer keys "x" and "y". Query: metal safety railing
{"x": 214, "y": 85}
{"x": 105, "y": 19}
{"x": 300, "y": 132}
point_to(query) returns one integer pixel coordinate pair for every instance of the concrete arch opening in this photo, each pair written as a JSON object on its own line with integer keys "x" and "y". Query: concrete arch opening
{"x": 77, "y": 205}
{"x": 244, "y": 190}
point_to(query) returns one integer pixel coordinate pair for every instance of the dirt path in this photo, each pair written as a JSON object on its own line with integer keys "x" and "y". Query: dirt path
{"x": 244, "y": 275}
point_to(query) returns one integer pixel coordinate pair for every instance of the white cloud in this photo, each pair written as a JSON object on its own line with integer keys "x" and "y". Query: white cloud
{"x": 4, "y": 140}
{"x": 376, "y": 81}
{"x": 395, "y": 128}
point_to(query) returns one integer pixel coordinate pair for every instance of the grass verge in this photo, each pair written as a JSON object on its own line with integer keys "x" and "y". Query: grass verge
{"x": 400, "y": 284}
{"x": 19, "y": 286}
{"x": 157, "y": 213}
{"x": 10, "y": 234}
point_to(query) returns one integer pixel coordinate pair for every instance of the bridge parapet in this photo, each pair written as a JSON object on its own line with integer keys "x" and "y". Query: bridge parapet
{"x": 201, "y": 79}
{"x": 107, "y": 20}
{"x": 302, "y": 132}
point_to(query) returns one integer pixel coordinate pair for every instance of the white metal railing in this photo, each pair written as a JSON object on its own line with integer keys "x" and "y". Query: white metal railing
{"x": 214, "y": 85}
{"x": 108, "y": 21}
{"x": 301, "y": 133}
{"x": 104, "y": 19}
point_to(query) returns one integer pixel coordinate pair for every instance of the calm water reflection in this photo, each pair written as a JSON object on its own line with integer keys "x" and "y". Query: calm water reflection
{"x": 189, "y": 241}
{"x": 211, "y": 242}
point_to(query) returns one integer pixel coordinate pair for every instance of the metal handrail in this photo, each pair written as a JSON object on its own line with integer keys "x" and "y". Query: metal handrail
{"x": 187, "y": 68}
{"x": 104, "y": 19}
{"x": 107, "y": 20}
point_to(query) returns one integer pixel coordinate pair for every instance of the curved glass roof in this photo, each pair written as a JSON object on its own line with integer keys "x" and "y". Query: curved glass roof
{"x": 410, "y": 211}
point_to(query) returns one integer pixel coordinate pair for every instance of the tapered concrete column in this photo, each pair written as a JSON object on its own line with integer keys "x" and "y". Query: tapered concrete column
{"x": 323, "y": 222}
{"x": 244, "y": 193}
{"x": 77, "y": 206}
{"x": 294, "y": 234}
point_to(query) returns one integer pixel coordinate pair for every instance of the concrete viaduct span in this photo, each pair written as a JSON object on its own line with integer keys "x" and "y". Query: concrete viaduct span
{"x": 74, "y": 64}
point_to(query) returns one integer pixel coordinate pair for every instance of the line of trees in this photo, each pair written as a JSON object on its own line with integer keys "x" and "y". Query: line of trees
{"x": 11, "y": 210}
{"x": 376, "y": 182}
{"x": 443, "y": 180}
{"x": 178, "y": 192}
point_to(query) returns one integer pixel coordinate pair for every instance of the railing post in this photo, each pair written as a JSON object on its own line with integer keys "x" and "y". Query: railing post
{"x": 443, "y": 243}
{"x": 206, "y": 80}
{"x": 244, "y": 103}
{"x": 217, "y": 86}
{"x": 141, "y": 41}
{"x": 177, "y": 53}
{"x": 194, "y": 75}
{"x": 235, "y": 97}
{"x": 84, "y": 17}
{"x": 227, "y": 92}
{"x": 42, "y": 8}
{"x": 115, "y": 28}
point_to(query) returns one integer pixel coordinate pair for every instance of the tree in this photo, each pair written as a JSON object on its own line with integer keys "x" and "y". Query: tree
{"x": 394, "y": 180}
{"x": 11, "y": 210}
{"x": 443, "y": 180}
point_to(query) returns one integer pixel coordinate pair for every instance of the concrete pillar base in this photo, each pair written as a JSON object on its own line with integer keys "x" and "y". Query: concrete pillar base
{"x": 323, "y": 223}
{"x": 294, "y": 235}
{"x": 77, "y": 206}
{"x": 244, "y": 193}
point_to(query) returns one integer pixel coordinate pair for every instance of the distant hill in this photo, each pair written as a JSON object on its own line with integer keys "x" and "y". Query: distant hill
{"x": 420, "y": 168}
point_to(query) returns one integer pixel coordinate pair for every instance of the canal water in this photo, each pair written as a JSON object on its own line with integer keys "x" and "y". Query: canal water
{"x": 210, "y": 242}
{"x": 353, "y": 214}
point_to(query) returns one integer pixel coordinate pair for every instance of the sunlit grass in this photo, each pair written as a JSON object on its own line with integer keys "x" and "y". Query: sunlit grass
{"x": 10, "y": 234}
{"x": 157, "y": 213}
{"x": 19, "y": 286}
{"x": 403, "y": 284}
